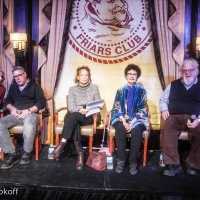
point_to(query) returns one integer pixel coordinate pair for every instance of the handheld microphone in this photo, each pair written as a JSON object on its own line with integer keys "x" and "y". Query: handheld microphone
{"x": 126, "y": 118}
{"x": 192, "y": 118}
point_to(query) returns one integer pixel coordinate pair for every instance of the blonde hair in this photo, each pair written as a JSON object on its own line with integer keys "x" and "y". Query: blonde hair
{"x": 78, "y": 72}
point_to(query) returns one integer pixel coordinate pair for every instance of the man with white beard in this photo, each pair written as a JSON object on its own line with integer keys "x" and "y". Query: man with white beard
{"x": 178, "y": 102}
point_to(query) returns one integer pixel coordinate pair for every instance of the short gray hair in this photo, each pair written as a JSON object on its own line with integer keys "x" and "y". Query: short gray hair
{"x": 18, "y": 68}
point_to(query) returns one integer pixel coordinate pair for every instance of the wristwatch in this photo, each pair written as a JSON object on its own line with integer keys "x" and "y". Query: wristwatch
{"x": 29, "y": 111}
{"x": 199, "y": 118}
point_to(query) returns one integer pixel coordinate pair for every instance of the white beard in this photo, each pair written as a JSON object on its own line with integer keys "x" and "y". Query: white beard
{"x": 189, "y": 82}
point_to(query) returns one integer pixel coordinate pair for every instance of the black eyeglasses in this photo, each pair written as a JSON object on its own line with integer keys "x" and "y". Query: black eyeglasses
{"x": 184, "y": 71}
{"x": 17, "y": 76}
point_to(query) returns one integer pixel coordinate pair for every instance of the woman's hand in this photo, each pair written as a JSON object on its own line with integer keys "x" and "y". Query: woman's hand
{"x": 131, "y": 124}
{"x": 83, "y": 111}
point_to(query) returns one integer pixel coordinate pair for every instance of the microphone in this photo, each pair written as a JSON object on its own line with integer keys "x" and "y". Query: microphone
{"x": 126, "y": 118}
{"x": 192, "y": 118}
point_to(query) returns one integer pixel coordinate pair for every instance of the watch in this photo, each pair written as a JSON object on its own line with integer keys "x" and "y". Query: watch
{"x": 199, "y": 118}
{"x": 29, "y": 111}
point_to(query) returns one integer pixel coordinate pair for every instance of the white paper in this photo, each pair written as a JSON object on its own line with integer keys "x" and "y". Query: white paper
{"x": 93, "y": 107}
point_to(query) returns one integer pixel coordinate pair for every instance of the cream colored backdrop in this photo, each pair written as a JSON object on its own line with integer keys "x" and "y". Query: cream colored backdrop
{"x": 109, "y": 77}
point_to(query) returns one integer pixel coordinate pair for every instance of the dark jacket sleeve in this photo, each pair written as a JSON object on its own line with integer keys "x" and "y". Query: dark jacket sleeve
{"x": 40, "y": 98}
{"x": 9, "y": 99}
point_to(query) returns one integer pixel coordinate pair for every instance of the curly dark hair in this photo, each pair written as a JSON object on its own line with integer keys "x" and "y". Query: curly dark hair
{"x": 78, "y": 72}
{"x": 134, "y": 67}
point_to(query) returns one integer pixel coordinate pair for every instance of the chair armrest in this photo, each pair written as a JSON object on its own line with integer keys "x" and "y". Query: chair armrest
{"x": 40, "y": 117}
{"x": 1, "y": 113}
{"x": 56, "y": 114}
{"x": 60, "y": 109}
{"x": 41, "y": 111}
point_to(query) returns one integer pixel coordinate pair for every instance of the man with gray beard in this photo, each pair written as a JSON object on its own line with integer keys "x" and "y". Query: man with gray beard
{"x": 178, "y": 102}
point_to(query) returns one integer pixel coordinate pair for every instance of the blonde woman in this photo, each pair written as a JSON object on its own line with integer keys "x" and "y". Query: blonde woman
{"x": 79, "y": 95}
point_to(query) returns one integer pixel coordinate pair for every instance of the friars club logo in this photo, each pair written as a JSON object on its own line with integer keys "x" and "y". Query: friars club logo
{"x": 110, "y": 31}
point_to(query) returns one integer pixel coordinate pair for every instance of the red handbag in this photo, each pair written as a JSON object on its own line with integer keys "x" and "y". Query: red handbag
{"x": 97, "y": 160}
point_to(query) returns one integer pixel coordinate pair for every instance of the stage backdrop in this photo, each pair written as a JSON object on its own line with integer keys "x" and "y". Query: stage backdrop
{"x": 107, "y": 35}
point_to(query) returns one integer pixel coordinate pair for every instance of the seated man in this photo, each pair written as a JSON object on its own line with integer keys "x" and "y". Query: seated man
{"x": 24, "y": 99}
{"x": 179, "y": 101}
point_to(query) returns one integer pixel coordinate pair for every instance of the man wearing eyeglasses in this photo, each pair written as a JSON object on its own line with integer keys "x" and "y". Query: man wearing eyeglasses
{"x": 25, "y": 98}
{"x": 179, "y": 101}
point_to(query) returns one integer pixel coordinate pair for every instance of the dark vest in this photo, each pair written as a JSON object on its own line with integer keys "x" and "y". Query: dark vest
{"x": 183, "y": 101}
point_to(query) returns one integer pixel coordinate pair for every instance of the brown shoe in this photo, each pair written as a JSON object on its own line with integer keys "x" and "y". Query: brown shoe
{"x": 80, "y": 159}
{"x": 58, "y": 150}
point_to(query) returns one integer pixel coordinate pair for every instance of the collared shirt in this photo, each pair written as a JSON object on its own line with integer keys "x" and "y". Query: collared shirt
{"x": 164, "y": 98}
{"x": 21, "y": 88}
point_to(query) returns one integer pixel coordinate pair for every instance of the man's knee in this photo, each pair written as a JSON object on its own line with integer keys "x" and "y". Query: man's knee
{"x": 2, "y": 127}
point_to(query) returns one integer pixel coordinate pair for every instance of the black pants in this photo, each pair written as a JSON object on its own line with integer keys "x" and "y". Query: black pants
{"x": 135, "y": 143}
{"x": 72, "y": 123}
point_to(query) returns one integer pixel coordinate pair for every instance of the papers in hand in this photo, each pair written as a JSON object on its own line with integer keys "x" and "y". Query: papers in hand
{"x": 93, "y": 107}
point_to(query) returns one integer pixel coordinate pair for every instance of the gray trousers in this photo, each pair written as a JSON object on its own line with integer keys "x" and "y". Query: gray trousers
{"x": 30, "y": 122}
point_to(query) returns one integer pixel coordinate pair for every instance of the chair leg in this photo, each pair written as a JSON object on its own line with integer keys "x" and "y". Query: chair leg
{"x": 57, "y": 139}
{"x": 145, "y": 152}
{"x": 90, "y": 143}
{"x": 111, "y": 145}
{"x": 36, "y": 146}
{"x": 2, "y": 155}
{"x": 57, "y": 142}
{"x": 15, "y": 142}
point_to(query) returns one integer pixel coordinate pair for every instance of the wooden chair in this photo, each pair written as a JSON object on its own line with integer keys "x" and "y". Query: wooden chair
{"x": 19, "y": 130}
{"x": 111, "y": 133}
{"x": 88, "y": 130}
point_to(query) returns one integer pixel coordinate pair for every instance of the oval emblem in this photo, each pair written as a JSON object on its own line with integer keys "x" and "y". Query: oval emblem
{"x": 110, "y": 31}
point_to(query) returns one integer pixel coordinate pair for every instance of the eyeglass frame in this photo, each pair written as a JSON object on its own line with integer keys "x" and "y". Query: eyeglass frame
{"x": 19, "y": 75}
{"x": 188, "y": 70}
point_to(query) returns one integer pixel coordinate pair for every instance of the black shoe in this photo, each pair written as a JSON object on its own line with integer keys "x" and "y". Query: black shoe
{"x": 25, "y": 158}
{"x": 173, "y": 170}
{"x": 10, "y": 160}
{"x": 120, "y": 167}
{"x": 191, "y": 170}
{"x": 133, "y": 170}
